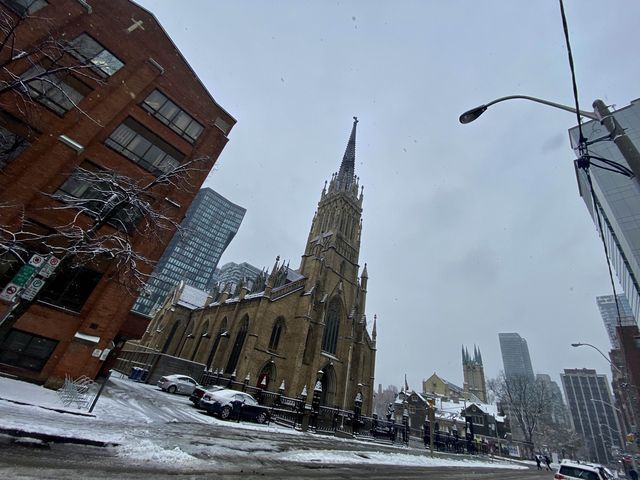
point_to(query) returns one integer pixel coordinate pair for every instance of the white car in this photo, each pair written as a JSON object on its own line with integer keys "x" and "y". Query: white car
{"x": 177, "y": 384}
{"x": 572, "y": 470}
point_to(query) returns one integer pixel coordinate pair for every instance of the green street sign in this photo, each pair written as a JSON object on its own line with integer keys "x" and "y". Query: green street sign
{"x": 24, "y": 275}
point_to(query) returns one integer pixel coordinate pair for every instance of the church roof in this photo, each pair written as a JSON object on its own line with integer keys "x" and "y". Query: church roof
{"x": 192, "y": 298}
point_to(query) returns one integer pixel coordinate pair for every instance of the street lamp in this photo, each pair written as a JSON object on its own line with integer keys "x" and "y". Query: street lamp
{"x": 607, "y": 403}
{"x": 601, "y": 113}
{"x": 600, "y": 352}
{"x": 470, "y": 115}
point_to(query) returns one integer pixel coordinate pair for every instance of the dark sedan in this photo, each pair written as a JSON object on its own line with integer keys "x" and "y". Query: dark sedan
{"x": 229, "y": 404}
{"x": 199, "y": 392}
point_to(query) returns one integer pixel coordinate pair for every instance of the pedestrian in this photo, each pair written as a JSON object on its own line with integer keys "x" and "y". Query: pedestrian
{"x": 537, "y": 457}
{"x": 547, "y": 461}
{"x": 633, "y": 474}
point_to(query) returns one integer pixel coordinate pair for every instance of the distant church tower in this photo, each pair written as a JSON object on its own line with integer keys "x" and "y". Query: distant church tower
{"x": 474, "y": 374}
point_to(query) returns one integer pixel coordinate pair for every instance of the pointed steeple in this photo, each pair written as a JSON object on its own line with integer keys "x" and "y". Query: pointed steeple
{"x": 374, "y": 331}
{"x": 347, "y": 168}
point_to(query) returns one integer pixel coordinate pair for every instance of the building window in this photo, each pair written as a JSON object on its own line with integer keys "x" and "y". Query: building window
{"x": 145, "y": 148}
{"x": 237, "y": 346}
{"x": 24, "y": 350}
{"x": 96, "y": 192}
{"x": 477, "y": 420}
{"x": 170, "y": 114}
{"x": 24, "y": 7}
{"x": 93, "y": 53}
{"x": 332, "y": 324}
{"x": 276, "y": 332}
{"x": 11, "y": 145}
{"x": 70, "y": 287}
{"x": 58, "y": 91}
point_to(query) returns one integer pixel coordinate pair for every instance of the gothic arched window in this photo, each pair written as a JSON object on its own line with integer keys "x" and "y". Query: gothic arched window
{"x": 221, "y": 331}
{"x": 332, "y": 324}
{"x": 237, "y": 346}
{"x": 276, "y": 333}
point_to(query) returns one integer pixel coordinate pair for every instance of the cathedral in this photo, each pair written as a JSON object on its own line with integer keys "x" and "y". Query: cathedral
{"x": 290, "y": 328}
{"x": 473, "y": 371}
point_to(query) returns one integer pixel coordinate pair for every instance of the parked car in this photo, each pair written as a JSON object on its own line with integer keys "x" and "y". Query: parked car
{"x": 571, "y": 470}
{"x": 200, "y": 390}
{"x": 177, "y": 384}
{"x": 229, "y": 404}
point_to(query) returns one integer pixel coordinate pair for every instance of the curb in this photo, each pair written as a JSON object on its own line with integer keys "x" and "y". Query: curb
{"x": 58, "y": 410}
{"x": 45, "y": 437}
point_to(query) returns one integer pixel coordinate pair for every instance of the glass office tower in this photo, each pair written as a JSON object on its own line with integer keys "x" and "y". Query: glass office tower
{"x": 515, "y": 356}
{"x": 209, "y": 225}
{"x": 617, "y": 200}
{"x": 609, "y": 313}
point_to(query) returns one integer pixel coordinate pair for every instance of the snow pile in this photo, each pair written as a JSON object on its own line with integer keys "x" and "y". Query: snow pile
{"x": 147, "y": 451}
{"x": 381, "y": 458}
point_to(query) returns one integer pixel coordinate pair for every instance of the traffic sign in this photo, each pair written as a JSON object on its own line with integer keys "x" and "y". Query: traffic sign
{"x": 30, "y": 292}
{"x": 9, "y": 292}
{"x": 50, "y": 265}
{"x": 24, "y": 275}
{"x": 37, "y": 260}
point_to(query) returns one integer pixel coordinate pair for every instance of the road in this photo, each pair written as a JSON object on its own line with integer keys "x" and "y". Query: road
{"x": 157, "y": 435}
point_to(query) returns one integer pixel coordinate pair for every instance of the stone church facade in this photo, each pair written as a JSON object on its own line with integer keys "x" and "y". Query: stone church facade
{"x": 293, "y": 326}
{"x": 473, "y": 371}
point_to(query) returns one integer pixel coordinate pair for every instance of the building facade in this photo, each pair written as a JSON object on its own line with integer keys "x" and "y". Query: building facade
{"x": 132, "y": 113}
{"x": 617, "y": 199}
{"x": 193, "y": 253}
{"x": 515, "y": 356}
{"x": 556, "y": 412}
{"x": 236, "y": 273}
{"x": 473, "y": 373}
{"x": 609, "y": 312}
{"x": 292, "y": 327}
{"x": 592, "y": 412}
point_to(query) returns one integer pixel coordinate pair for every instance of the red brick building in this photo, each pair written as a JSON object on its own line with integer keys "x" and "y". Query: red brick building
{"x": 139, "y": 109}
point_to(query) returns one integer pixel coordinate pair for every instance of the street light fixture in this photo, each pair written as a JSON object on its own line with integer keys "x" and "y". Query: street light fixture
{"x": 470, "y": 115}
{"x": 601, "y": 113}
{"x": 600, "y": 352}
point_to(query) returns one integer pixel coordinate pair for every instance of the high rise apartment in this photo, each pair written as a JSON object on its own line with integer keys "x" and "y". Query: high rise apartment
{"x": 234, "y": 273}
{"x": 193, "y": 253}
{"x": 592, "y": 412}
{"x": 515, "y": 356}
{"x": 617, "y": 199}
{"x": 105, "y": 94}
{"x": 609, "y": 313}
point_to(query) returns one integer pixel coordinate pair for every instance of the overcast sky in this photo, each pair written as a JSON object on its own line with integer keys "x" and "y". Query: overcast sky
{"x": 468, "y": 230}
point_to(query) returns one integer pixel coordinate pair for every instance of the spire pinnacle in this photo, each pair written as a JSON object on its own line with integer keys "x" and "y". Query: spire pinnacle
{"x": 347, "y": 168}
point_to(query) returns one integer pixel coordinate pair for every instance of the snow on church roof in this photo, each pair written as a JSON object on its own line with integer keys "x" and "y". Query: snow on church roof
{"x": 192, "y": 298}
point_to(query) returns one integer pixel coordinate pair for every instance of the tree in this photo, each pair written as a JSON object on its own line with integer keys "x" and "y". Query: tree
{"x": 109, "y": 214}
{"x": 524, "y": 399}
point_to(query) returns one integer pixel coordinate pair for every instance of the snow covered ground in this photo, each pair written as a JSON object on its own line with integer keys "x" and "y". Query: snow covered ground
{"x": 149, "y": 426}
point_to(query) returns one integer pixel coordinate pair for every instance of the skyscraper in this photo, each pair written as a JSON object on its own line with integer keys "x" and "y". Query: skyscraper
{"x": 235, "y": 273}
{"x": 515, "y": 355}
{"x": 592, "y": 412}
{"x": 193, "y": 254}
{"x": 617, "y": 199}
{"x": 556, "y": 411}
{"x": 609, "y": 313}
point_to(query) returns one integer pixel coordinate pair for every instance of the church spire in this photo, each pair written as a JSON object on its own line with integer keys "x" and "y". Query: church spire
{"x": 347, "y": 168}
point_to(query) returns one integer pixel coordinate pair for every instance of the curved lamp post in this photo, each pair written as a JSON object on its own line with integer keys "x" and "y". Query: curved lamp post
{"x": 601, "y": 113}
{"x": 470, "y": 115}
{"x": 600, "y": 352}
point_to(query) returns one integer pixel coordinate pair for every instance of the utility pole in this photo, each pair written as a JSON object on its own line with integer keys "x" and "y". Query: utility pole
{"x": 618, "y": 136}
